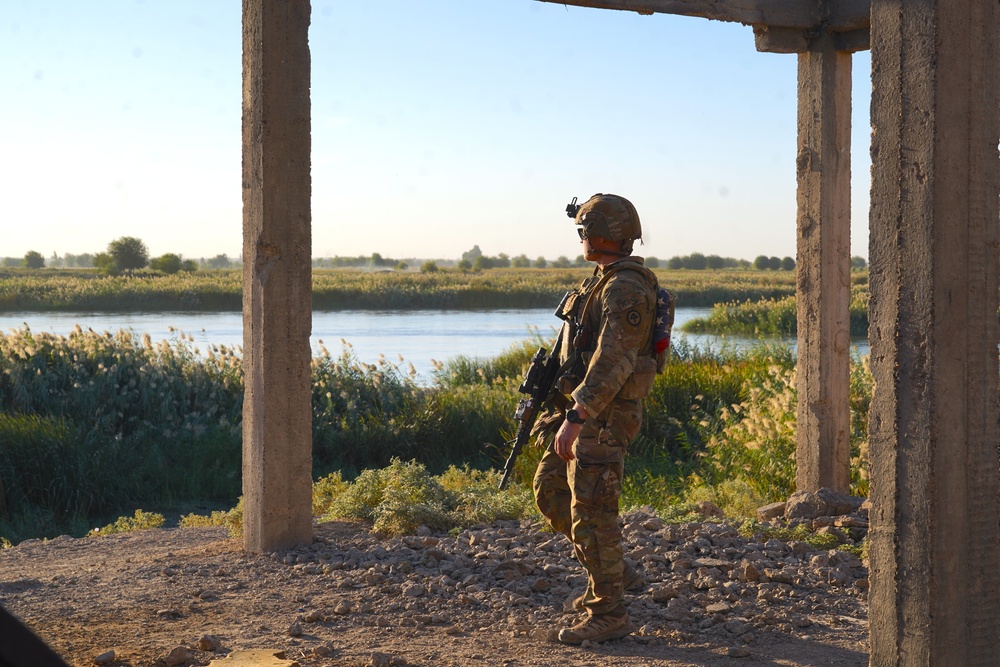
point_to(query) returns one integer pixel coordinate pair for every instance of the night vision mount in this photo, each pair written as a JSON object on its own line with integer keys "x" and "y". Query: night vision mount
{"x": 572, "y": 208}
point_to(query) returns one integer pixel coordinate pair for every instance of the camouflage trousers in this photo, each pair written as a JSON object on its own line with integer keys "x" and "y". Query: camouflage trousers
{"x": 580, "y": 499}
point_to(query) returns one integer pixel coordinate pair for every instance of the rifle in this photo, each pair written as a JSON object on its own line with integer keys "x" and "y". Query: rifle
{"x": 538, "y": 383}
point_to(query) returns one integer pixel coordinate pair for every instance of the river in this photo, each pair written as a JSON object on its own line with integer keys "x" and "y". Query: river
{"x": 418, "y": 337}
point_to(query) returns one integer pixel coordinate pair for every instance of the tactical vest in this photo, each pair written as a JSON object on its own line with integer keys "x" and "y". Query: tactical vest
{"x": 580, "y": 339}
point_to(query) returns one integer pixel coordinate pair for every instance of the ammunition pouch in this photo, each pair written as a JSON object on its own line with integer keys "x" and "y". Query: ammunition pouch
{"x": 641, "y": 381}
{"x": 575, "y": 369}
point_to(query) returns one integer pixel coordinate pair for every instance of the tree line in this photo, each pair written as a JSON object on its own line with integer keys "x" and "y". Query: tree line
{"x": 129, "y": 254}
{"x": 124, "y": 255}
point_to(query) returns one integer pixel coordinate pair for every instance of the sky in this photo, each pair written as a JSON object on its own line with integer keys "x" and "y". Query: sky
{"x": 436, "y": 126}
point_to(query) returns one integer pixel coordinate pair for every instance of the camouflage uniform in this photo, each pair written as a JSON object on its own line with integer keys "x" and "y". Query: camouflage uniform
{"x": 614, "y": 371}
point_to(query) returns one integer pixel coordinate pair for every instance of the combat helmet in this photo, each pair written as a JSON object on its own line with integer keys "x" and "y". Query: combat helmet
{"x": 610, "y": 216}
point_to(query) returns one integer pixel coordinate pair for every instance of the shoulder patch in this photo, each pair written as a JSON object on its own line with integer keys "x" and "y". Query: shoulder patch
{"x": 628, "y": 301}
{"x": 634, "y": 317}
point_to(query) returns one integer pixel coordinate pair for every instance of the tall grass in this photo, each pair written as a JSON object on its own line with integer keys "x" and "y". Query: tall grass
{"x": 749, "y": 459}
{"x": 47, "y": 290}
{"x": 772, "y": 317}
{"x": 97, "y": 423}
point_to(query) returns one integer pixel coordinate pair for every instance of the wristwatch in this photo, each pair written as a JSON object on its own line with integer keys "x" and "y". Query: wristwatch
{"x": 573, "y": 417}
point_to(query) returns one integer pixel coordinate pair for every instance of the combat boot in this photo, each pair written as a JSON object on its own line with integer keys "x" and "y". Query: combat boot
{"x": 602, "y": 628}
{"x": 632, "y": 580}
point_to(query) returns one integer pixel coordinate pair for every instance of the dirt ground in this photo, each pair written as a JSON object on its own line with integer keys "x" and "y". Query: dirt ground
{"x": 188, "y": 596}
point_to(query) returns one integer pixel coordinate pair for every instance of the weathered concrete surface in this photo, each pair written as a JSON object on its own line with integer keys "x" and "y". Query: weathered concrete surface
{"x": 277, "y": 298}
{"x": 831, "y": 15}
{"x": 823, "y": 448}
{"x": 935, "y": 549}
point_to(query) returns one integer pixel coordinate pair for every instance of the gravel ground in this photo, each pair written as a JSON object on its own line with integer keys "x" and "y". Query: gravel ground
{"x": 492, "y": 595}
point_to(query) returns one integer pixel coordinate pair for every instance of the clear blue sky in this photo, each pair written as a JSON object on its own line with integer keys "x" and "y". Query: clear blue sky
{"x": 437, "y": 125}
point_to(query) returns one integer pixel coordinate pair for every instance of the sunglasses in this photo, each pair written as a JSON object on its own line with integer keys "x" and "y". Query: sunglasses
{"x": 582, "y": 232}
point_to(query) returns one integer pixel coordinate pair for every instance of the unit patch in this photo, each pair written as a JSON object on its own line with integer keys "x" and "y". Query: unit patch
{"x": 634, "y": 317}
{"x": 628, "y": 301}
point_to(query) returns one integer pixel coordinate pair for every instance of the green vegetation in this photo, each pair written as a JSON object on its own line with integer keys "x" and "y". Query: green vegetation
{"x": 772, "y": 316}
{"x": 33, "y": 260}
{"x": 93, "y": 425}
{"x": 138, "y": 521}
{"x": 699, "y": 262}
{"x": 431, "y": 288}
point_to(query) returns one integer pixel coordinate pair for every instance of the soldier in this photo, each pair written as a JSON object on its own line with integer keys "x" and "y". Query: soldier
{"x": 608, "y": 365}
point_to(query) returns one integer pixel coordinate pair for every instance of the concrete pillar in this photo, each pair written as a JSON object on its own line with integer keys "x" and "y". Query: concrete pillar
{"x": 277, "y": 297}
{"x": 935, "y": 548}
{"x": 823, "y": 451}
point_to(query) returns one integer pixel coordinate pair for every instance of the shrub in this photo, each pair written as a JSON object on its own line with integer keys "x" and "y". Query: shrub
{"x": 402, "y": 497}
{"x": 139, "y": 521}
{"x": 756, "y": 445}
{"x": 169, "y": 263}
{"x": 397, "y": 499}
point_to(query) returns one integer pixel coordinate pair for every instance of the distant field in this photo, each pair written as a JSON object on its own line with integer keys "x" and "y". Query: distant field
{"x": 339, "y": 289}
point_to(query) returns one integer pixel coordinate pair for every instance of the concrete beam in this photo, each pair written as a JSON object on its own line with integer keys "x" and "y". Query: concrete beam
{"x": 935, "y": 584}
{"x": 833, "y": 15}
{"x": 277, "y": 289}
{"x": 823, "y": 450}
{"x": 770, "y": 39}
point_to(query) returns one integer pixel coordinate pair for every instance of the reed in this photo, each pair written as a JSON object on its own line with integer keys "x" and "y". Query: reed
{"x": 92, "y": 424}
{"x": 772, "y": 317}
{"x": 48, "y": 290}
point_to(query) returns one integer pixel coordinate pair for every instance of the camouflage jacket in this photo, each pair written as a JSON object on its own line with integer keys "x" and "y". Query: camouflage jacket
{"x": 613, "y": 336}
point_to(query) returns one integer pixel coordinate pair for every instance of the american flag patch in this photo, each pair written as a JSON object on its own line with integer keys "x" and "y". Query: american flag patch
{"x": 664, "y": 320}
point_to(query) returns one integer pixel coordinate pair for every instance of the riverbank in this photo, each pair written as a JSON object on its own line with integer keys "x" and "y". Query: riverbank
{"x": 89, "y": 291}
{"x": 90, "y": 422}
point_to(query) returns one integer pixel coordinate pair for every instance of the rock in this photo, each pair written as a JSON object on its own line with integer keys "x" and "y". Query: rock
{"x": 104, "y": 658}
{"x": 738, "y": 628}
{"x": 825, "y": 502}
{"x": 412, "y": 590}
{"x": 851, "y": 521}
{"x": 835, "y": 532}
{"x": 177, "y": 656}
{"x": 709, "y": 510}
{"x": 772, "y": 511}
{"x": 541, "y": 585}
{"x": 295, "y": 630}
{"x": 820, "y": 560}
{"x": 719, "y": 608}
{"x": 664, "y": 594}
{"x": 324, "y": 651}
{"x": 746, "y": 572}
{"x": 380, "y": 660}
{"x": 677, "y": 610}
{"x": 209, "y": 643}
{"x": 738, "y": 652}
{"x": 775, "y": 546}
{"x": 652, "y": 524}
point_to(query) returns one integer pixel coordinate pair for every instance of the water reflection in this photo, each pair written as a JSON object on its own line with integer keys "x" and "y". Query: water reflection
{"x": 419, "y": 337}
